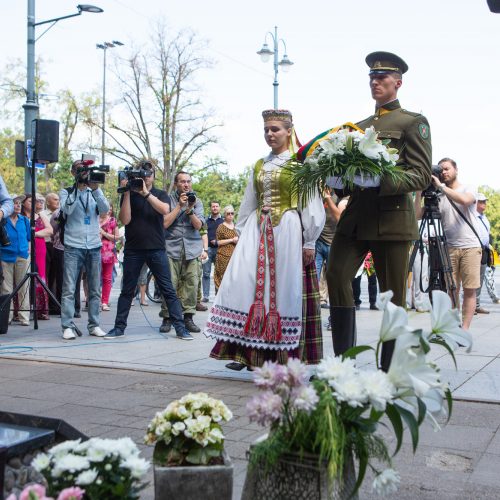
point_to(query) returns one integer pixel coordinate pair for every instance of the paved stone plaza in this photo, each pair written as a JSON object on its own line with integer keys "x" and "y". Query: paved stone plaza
{"x": 113, "y": 388}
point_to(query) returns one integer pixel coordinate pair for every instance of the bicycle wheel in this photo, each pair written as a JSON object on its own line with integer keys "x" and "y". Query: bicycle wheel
{"x": 152, "y": 291}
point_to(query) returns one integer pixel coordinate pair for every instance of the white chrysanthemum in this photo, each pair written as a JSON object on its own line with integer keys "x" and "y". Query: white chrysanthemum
{"x": 41, "y": 462}
{"x": 86, "y": 477}
{"x": 305, "y": 398}
{"x": 136, "y": 465}
{"x": 378, "y": 387}
{"x": 386, "y": 482}
{"x": 72, "y": 463}
{"x": 333, "y": 367}
{"x": 350, "y": 389}
{"x": 65, "y": 447}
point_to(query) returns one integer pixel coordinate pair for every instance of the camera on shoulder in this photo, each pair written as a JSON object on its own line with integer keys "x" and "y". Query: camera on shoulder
{"x": 87, "y": 172}
{"x": 134, "y": 176}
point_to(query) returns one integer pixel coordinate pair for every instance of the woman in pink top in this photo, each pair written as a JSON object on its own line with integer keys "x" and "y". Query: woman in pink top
{"x": 109, "y": 235}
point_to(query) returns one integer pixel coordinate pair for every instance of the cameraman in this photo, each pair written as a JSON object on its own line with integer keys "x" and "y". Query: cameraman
{"x": 81, "y": 206}
{"x": 184, "y": 246}
{"x": 142, "y": 211}
{"x": 457, "y": 205}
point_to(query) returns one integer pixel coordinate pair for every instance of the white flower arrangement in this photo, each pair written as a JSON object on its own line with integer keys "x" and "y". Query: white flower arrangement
{"x": 107, "y": 468}
{"x": 345, "y": 157}
{"x": 189, "y": 430}
{"x": 338, "y": 412}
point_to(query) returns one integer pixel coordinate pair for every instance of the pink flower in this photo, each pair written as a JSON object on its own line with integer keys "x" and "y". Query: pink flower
{"x": 298, "y": 374}
{"x": 73, "y": 493}
{"x": 270, "y": 375}
{"x": 11, "y": 497}
{"x": 265, "y": 408}
{"x": 37, "y": 489}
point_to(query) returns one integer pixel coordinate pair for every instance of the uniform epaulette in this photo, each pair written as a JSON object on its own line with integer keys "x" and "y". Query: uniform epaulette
{"x": 411, "y": 113}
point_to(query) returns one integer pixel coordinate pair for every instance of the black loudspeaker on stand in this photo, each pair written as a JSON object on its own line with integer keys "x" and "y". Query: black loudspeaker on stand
{"x": 44, "y": 145}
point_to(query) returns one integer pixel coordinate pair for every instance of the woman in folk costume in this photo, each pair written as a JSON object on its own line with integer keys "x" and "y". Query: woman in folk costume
{"x": 267, "y": 307}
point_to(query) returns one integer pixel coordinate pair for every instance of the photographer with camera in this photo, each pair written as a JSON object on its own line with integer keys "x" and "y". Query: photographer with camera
{"x": 142, "y": 211}
{"x": 184, "y": 246}
{"x": 457, "y": 204}
{"x": 81, "y": 205}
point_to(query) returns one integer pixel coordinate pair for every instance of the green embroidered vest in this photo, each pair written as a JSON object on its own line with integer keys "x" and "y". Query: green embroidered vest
{"x": 282, "y": 198}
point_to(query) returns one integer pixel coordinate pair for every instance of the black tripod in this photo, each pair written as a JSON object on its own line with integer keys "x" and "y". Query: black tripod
{"x": 32, "y": 275}
{"x": 440, "y": 270}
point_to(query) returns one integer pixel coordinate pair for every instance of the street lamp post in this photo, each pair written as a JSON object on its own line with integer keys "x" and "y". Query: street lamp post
{"x": 104, "y": 47}
{"x": 265, "y": 53}
{"x": 31, "y": 104}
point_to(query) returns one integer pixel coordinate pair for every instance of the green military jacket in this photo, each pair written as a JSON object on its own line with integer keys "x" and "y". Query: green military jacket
{"x": 388, "y": 213}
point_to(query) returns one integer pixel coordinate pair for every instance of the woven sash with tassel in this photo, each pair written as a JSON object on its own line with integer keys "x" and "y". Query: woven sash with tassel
{"x": 259, "y": 324}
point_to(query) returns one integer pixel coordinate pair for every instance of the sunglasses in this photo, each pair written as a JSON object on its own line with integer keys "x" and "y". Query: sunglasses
{"x": 229, "y": 213}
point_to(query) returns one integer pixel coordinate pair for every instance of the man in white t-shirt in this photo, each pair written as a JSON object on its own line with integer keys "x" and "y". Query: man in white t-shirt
{"x": 463, "y": 245}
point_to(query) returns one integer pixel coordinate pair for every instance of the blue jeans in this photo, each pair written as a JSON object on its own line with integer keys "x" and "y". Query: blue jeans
{"x": 157, "y": 261}
{"x": 207, "y": 268}
{"x": 322, "y": 253}
{"x": 74, "y": 260}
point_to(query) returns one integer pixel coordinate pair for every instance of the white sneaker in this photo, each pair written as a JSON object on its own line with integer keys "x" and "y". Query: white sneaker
{"x": 97, "y": 332}
{"x": 68, "y": 334}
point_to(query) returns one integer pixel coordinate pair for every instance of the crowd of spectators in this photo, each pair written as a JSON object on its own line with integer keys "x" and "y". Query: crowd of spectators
{"x": 77, "y": 237}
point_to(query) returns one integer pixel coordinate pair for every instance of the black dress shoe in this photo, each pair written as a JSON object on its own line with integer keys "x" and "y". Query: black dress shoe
{"x": 373, "y": 307}
{"x": 190, "y": 326}
{"x": 77, "y": 315}
{"x": 166, "y": 325}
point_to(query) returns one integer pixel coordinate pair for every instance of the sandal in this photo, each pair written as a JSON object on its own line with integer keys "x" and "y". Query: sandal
{"x": 143, "y": 304}
{"x": 105, "y": 307}
{"x": 235, "y": 366}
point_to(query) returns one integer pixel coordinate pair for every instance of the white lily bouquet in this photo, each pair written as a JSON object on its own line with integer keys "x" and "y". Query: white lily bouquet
{"x": 337, "y": 414}
{"x": 189, "y": 432}
{"x": 345, "y": 156}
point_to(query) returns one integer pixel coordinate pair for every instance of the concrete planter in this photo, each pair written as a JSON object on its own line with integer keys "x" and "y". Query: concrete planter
{"x": 297, "y": 477}
{"x": 210, "y": 482}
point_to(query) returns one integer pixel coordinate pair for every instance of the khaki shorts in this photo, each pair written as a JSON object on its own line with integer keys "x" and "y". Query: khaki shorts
{"x": 466, "y": 266}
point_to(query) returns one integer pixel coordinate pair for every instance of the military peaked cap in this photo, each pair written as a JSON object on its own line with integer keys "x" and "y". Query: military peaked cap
{"x": 385, "y": 62}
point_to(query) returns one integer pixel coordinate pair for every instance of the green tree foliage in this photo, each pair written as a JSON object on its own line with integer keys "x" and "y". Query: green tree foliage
{"x": 493, "y": 212}
{"x": 219, "y": 185}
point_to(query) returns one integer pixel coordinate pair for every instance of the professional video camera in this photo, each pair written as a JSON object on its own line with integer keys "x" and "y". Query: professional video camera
{"x": 431, "y": 193}
{"x": 95, "y": 174}
{"x": 134, "y": 176}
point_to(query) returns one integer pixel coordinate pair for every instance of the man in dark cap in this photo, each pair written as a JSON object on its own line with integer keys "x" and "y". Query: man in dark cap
{"x": 380, "y": 216}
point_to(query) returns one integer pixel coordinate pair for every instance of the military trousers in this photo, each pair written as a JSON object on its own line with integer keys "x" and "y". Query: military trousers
{"x": 185, "y": 279}
{"x": 346, "y": 256}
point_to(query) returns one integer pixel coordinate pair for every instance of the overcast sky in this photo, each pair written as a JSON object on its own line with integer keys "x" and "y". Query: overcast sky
{"x": 452, "y": 48}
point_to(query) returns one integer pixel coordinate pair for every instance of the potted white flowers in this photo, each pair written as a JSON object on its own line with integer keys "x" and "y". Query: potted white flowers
{"x": 316, "y": 428}
{"x": 189, "y": 457}
{"x": 104, "y": 468}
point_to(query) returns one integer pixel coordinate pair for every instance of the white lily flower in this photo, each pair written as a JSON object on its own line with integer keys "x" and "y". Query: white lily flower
{"x": 445, "y": 322}
{"x": 369, "y": 145}
{"x": 409, "y": 367}
{"x": 386, "y": 482}
{"x": 394, "y": 322}
{"x": 383, "y": 299}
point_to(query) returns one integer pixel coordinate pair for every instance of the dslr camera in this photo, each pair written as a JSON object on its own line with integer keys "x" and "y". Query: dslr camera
{"x": 191, "y": 197}
{"x": 134, "y": 176}
{"x": 94, "y": 173}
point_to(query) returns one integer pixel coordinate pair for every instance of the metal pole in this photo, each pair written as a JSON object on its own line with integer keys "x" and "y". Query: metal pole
{"x": 31, "y": 105}
{"x": 275, "y": 83}
{"x": 103, "y": 141}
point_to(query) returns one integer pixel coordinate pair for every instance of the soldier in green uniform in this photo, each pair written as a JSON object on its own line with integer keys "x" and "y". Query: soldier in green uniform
{"x": 380, "y": 216}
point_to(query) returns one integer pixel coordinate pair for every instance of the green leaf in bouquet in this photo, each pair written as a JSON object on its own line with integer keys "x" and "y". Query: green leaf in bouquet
{"x": 354, "y": 351}
{"x": 449, "y": 400}
{"x": 397, "y": 425}
{"x": 412, "y": 424}
{"x": 422, "y": 410}
{"x": 439, "y": 341}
